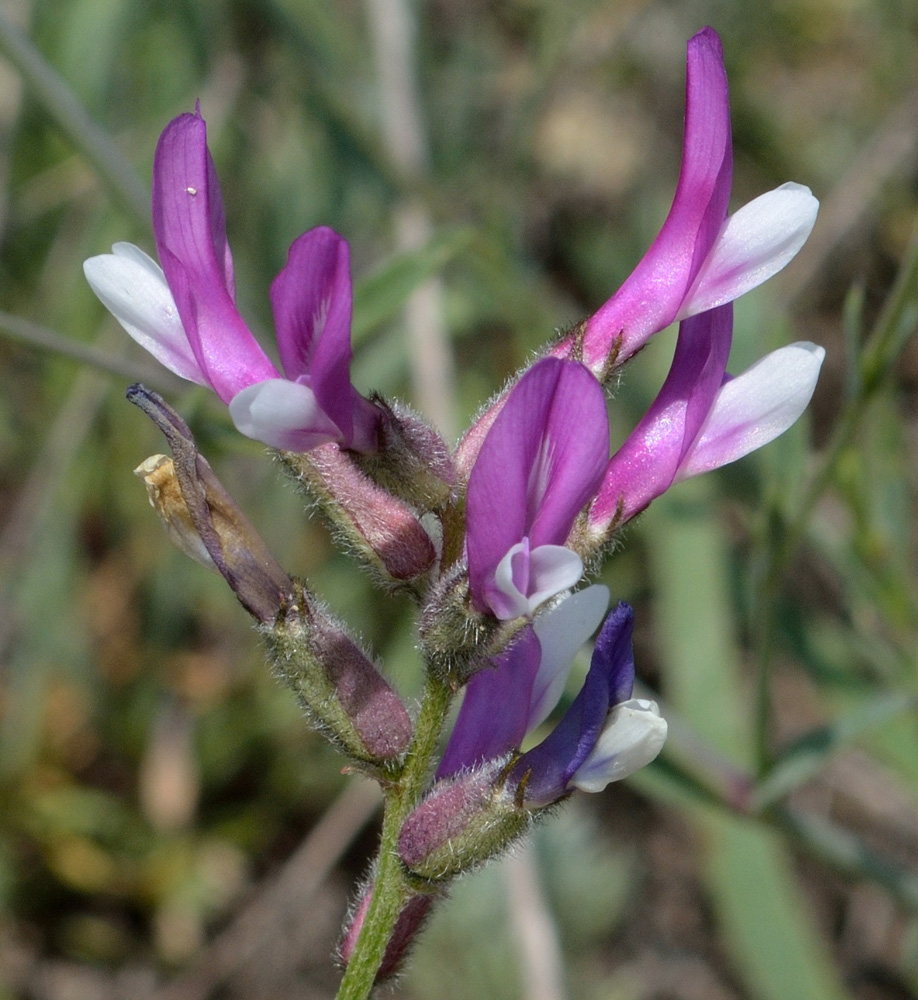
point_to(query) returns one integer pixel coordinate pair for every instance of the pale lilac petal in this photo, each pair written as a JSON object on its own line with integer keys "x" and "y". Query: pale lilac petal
{"x": 131, "y": 285}
{"x": 755, "y": 243}
{"x": 651, "y": 296}
{"x": 562, "y": 631}
{"x": 632, "y": 737}
{"x": 646, "y": 464}
{"x": 755, "y": 407}
{"x": 540, "y": 463}
{"x": 188, "y": 222}
{"x": 312, "y": 303}
{"x": 283, "y": 415}
{"x": 526, "y": 578}
{"x": 495, "y": 711}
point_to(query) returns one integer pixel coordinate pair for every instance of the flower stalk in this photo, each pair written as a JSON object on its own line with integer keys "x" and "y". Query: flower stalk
{"x": 392, "y": 887}
{"x": 491, "y": 540}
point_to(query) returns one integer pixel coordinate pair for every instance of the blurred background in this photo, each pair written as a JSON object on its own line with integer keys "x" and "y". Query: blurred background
{"x": 169, "y": 826}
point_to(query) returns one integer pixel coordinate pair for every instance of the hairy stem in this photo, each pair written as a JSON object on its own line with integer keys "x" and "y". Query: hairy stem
{"x": 391, "y": 889}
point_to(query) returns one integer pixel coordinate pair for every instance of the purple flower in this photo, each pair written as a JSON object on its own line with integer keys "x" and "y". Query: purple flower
{"x": 526, "y": 681}
{"x": 185, "y": 312}
{"x": 540, "y": 464}
{"x": 702, "y": 418}
{"x": 701, "y": 258}
{"x": 604, "y": 736}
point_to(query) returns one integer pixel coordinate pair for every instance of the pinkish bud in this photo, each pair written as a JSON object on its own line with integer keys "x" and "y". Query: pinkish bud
{"x": 340, "y": 688}
{"x": 461, "y": 822}
{"x": 409, "y": 922}
{"x": 381, "y": 529}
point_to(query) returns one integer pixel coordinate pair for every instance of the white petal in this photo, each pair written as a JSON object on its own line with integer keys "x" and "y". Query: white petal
{"x": 552, "y": 570}
{"x": 282, "y": 414}
{"x": 131, "y": 285}
{"x": 632, "y": 737}
{"x": 755, "y": 243}
{"x": 561, "y": 631}
{"x": 755, "y": 407}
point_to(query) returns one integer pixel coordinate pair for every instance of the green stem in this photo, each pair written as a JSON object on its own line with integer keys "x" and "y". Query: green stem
{"x": 391, "y": 889}
{"x": 63, "y": 106}
{"x": 886, "y": 342}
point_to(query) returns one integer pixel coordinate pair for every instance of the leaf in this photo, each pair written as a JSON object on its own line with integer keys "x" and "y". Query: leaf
{"x": 810, "y": 754}
{"x": 379, "y": 296}
{"x": 777, "y": 950}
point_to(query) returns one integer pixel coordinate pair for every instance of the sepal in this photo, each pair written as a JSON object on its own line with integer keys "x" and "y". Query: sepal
{"x": 339, "y": 687}
{"x": 461, "y": 823}
{"x": 411, "y": 461}
{"x": 381, "y": 530}
{"x": 457, "y": 639}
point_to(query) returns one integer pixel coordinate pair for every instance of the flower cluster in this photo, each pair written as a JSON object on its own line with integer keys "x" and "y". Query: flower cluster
{"x": 491, "y": 539}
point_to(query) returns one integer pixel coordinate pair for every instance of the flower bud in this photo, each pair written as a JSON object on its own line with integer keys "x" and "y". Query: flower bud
{"x": 341, "y": 690}
{"x": 412, "y": 461}
{"x": 203, "y": 519}
{"x": 379, "y": 528}
{"x": 412, "y": 917}
{"x": 461, "y": 823}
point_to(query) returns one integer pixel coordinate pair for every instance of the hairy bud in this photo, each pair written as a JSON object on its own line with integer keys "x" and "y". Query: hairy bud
{"x": 461, "y": 823}
{"x": 412, "y": 917}
{"x": 340, "y": 688}
{"x": 382, "y": 530}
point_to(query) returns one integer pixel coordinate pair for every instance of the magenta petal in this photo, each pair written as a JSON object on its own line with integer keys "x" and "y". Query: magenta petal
{"x": 188, "y": 222}
{"x": 646, "y": 464}
{"x": 540, "y": 463}
{"x": 496, "y": 709}
{"x": 651, "y": 296}
{"x": 312, "y": 303}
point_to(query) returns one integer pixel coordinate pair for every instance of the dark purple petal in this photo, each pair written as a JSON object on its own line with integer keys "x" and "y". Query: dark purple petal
{"x": 650, "y": 298}
{"x": 189, "y": 225}
{"x": 312, "y": 303}
{"x": 541, "y": 462}
{"x": 646, "y": 464}
{"x": 548, "y": 767}
{"x": 495, "y": 712}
